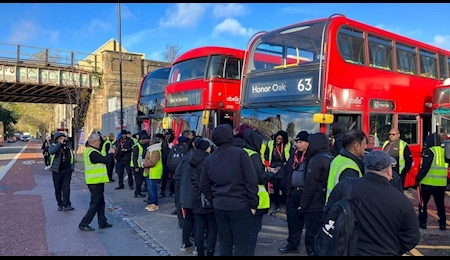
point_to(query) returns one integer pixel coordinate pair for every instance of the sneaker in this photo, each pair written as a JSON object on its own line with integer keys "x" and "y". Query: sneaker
{"x": 153, "y": 207}
{"x": 47, "y": 167}
{"x": 186, "y": 247}
{"x": 148, "y": 206}
{"x": 195, "y": 252}
{"x": 275, "y": 211}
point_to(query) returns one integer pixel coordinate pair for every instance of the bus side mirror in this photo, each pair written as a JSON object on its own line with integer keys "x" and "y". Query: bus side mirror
{"x": 205, "y": 117}
{"x": 323, "y": 118}
{"x": 447, "y": 149}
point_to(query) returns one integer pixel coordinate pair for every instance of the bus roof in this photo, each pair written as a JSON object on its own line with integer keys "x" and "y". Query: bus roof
{"x": 205, "y": 51}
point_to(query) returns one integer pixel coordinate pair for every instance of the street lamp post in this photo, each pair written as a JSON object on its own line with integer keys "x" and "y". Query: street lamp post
{"x": 120, "y": 67}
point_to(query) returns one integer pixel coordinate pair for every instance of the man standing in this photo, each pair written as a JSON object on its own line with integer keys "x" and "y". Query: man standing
{"x": 387, "y": 223}
{"x": 229, "y": 180}
{"x": 153, "y": 170}
{"x": 313, "y": 198}
{"x": 348, "y": 163}
{"x": 96, "y": 176}
{"x": 137, "y": 156}
{"x": 295, "y": 170}
{"x": 432, "y": 180}
{"x": 124, "y": 147}
{"x": 108, "y": 144}
{"x": 62, "y": 165}
{"x": 399, "y": 150}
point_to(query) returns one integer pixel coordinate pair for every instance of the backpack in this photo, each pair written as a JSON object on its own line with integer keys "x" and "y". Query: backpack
{"x": 338, "y": 235}
{"x": 174, "y": 158}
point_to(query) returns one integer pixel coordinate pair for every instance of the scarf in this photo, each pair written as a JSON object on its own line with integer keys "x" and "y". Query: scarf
{"x": 297, "y": 160}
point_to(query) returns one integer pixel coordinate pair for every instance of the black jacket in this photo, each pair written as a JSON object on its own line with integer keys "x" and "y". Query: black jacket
{"x": 228, "y": 177}
{"x": 98, "y": 158}
{"x": 313, "y": 198}
{"x": 288, "y": 169}
{"x": 387, "y": 221}
{"x": 196, "y": 159}
{"x": 253, "y": 141}
{"x": 124, "y": 155}
{"x": 57, "y": 149}
{"x": 338, "y": 133}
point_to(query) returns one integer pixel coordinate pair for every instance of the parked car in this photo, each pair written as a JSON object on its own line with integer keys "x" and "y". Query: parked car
{"x": 11, "y": 139}
{"x": 25, "y": 138}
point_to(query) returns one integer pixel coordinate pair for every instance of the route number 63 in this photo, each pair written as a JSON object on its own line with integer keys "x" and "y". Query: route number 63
{"x": 304, "y": 84}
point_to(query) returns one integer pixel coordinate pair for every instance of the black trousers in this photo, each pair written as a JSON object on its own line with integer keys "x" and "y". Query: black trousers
{"x": 164, "y": 179}
{"x": 438, "y": 194}
{"x": 110, "y": 170}
{"x": 96, "y": 206}
{"x": 277, "y": 187}
{"x": 205, "y": 223}
{"x": 122, "y": 167}
{"x": 139, "y": 179}
{"x": 47, "y": 159}
{"x": 61, "y": 182}
{"x": 177, "y": 205}
{"x": 295, "y": 220}
{"x": 313, "y": 222}
{"x": 233, "y": 228}
{"x": 188, "y": 225}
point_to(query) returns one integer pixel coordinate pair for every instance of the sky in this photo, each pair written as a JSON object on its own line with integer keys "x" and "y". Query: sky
{"x": 150, "y": 27}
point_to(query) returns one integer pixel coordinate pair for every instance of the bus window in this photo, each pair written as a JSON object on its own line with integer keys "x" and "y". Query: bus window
{"x": 380, "y": 125}
{"x": 442, "y": 67}
{"x": 351, "y": 46}
{"x": 406, "y": 59}
{"x": 233, "y": 68}
{"x": 351, "y": 121}
{"x": 380, "y": 53}
{"x": 428, "y": 64}
{"x": 408, "y": 127}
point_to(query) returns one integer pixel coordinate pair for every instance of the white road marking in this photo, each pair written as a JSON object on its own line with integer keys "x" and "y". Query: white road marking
{"x": 11, "y": 163}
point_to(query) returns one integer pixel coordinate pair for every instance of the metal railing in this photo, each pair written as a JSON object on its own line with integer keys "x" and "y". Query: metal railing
{"x": 14, "y": 54}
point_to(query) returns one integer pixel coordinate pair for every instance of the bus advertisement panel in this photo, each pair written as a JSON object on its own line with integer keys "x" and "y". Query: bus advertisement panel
{"x": 150, "y": 105}
{"x": 203, "y": 90}
{"x": 338, "y": 69}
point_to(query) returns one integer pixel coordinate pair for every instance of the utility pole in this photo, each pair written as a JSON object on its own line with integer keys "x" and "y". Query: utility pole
{"x": 120, "y": 67}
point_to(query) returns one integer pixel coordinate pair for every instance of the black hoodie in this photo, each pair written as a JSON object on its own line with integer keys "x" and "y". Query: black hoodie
{"x": 228, "y": 177}
{"x": 313, "y": 198}
{"x": 338, "y": 132}
{"x": 253, "y": 141}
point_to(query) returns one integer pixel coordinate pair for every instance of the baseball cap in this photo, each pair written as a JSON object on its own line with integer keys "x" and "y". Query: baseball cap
{"x": 377, "y": 160}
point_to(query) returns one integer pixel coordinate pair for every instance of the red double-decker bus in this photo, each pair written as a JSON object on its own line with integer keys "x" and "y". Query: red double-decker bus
{"x": 365, "y": 77}
{"x": 203, "y": 90}
{"x": 150, "y": 105}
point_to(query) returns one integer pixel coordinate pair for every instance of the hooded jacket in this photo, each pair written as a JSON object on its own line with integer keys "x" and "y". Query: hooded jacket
{"x": 338, "y": 133}
{"x": 228, "y": 177}
{"x": 253, "y": 141}
{"x": 196, "y": 159}
{"x": 313, "y": 198}
{"x": 57, "y": 149}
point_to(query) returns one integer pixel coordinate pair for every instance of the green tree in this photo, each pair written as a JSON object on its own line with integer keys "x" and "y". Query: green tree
{"x": 9, "y": 119}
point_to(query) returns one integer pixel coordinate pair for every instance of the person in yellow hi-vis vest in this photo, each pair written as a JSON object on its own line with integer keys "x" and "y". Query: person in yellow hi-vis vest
{"x": 349, "y": 162}
{"x": 137, "y": 157}
{"x": 96, "y": 175}
{"x": 253, "y": 142}
{"x": 108, "y": 144}
{"x": 153, "y": 170}
{"x": 399, "y": 150}
{"x": 432, "y": 180}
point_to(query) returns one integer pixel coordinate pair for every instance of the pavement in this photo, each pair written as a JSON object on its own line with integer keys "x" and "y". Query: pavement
{"x": 159, "y": 228}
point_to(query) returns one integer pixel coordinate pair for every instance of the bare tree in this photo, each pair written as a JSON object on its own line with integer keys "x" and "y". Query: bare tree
{"x": 171, "y": 52}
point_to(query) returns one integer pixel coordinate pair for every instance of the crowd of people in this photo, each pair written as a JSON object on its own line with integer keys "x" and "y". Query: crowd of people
{"x": 221, "y": 187}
